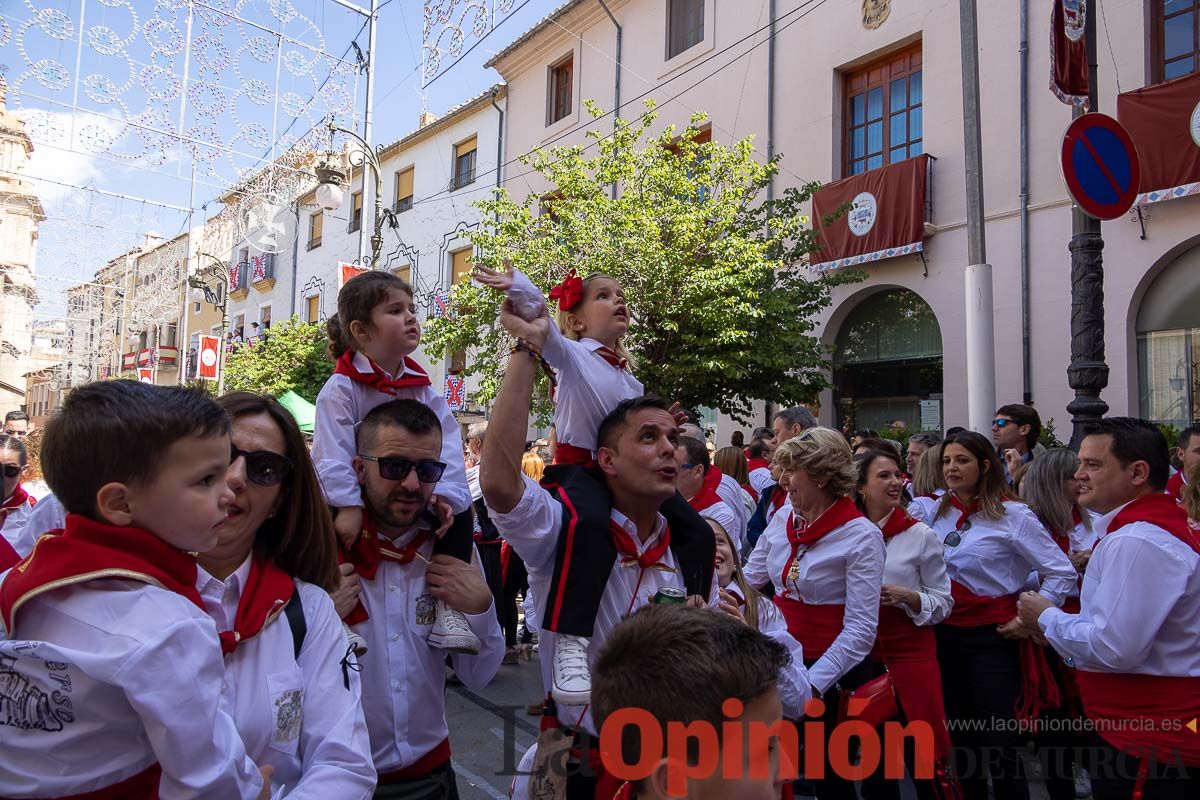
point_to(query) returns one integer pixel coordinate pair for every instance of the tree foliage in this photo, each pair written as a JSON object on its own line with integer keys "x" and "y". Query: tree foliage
{"x": 722, "y": 315}
{"x": 290, "y": 357}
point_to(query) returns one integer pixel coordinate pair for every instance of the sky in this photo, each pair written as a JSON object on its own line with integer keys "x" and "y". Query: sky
{"x": 96, "y": 79}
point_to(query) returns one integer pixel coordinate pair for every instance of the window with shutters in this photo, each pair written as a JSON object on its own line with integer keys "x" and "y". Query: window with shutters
{"x": 316, "y": 223}
{"x": 313, "y": 308}
{"x": 685, "y": 25}
{"x": 1174, "y": 33}
{"x": 404, "y": 190}
{"x": 464, "y": 164}
{"x": 883, "y": 117}
{"x": 356, "y": 207}
{"x": 460, "y": 266}
{"x": 562, "y": 83}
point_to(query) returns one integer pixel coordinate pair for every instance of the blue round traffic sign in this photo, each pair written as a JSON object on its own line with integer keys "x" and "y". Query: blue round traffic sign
{"x": 1100, "y": 166}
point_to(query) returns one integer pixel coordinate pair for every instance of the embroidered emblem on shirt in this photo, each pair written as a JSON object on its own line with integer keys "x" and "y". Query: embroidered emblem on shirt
{"x": 27, "y": 706}
{"x": 289, "y": 713}
{"x": 426, "y": 610}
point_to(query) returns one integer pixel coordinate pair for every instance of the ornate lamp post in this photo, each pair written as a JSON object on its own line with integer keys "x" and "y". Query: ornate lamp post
{"x": 331, "y": 194}
{"x": 218, "y": 299}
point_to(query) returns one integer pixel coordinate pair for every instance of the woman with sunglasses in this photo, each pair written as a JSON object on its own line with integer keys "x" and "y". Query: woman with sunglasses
{"x": 14, "y": 463}
{"x": 289, "y": 682}
{"x": 915, "y": 596}
{"x": 992, "y": 671}
{"x": 826, "y": 561}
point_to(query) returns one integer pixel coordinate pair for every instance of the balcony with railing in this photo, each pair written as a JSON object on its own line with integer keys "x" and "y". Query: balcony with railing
{"x": 239, "y": 279}
{"x": 262, "y": 272}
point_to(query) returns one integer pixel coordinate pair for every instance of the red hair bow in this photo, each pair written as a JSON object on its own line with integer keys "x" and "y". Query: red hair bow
{"x": 569, "y": 293}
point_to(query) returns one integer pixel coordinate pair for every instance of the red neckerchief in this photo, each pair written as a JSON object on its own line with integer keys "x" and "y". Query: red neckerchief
{"x": 627, "y": 547}
{"x": 610, "y": 355}
{"x": 707, "y": 496}
{"x": 1063, "y": 538}
{"x": 377, "y": 379}
{"x": 1158, "y": 510}
{"x": 778, "y": 499}
{"x": 965, "y": 512}
{"x": 87, "y": 550}
{"x": 897, "y": 522}
{"x": 1175, "y": 486}
{"x": 757, "y": 463}
{"x": 805, "y": 535}
{"x": 267, "y": 591}
{"x": 18, "y": 498}
{"x": 369, "y": 551}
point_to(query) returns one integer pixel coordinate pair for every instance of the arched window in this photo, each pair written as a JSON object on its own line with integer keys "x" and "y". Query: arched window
{"x": 1168, "y": 338}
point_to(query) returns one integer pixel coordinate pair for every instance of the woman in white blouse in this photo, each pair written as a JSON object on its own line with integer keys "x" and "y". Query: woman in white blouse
{"x": 992, "y": 672}
{"x": 915, "y": 596}
{"x": 293, "y": 700}
{"x": 826, "y": 561}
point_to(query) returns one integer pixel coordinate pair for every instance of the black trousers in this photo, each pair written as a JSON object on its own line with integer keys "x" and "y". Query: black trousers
{"x": 981, "y": 681}
{"x": 830, "y": 786}
{"x": 516, "y": 580}
{"x": 1059, "y": 738}
{"x": 458, "y": 540}
{"x": 439, "y": 784}
{"x": 1114, "y": 775}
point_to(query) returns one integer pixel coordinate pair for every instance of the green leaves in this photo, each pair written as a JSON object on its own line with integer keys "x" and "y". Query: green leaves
{"x": 291, "y": 357}
{"x": 722, "y": 312}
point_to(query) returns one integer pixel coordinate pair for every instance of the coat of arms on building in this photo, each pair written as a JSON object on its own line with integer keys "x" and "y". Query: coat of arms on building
{"x": 875, "y": 13}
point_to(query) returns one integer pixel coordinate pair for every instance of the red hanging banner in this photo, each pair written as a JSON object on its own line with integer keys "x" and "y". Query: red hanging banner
{"x": 1164, "y": 122}
{"x": 1068, "y": 52}
{"x": 209, "y": 356}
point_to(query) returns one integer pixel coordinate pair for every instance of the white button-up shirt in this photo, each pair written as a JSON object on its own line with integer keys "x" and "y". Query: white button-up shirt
{"x": 1140, "y": 606}
{"x": 532, "y": 528}
{"x": 844, "y": 568}
{"x": 794, "y": 686}
{"x": 722, "y": 514}
{"x": 403, "y": 678}
{"x": 110, "y": 677}
{"x": 915, "y": 561}
{"x": 295, "y": 714}
{"x": 25, "y": 524}
{"x": 588, "y": 386}
{"x": 761, "y": 479}
{"x": 735, "y": 497}
{"x": 995, "y": 556}
{"x": 342, "y": 405}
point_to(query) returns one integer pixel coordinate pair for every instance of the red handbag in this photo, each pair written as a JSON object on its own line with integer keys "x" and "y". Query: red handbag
{"x": 874, "y": 702}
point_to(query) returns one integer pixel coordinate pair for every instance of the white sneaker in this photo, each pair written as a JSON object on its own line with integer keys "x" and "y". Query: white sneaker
{"x": 357, "y": 643}
{"x": 572, "y": 676}
{"x": 451, "y": 632}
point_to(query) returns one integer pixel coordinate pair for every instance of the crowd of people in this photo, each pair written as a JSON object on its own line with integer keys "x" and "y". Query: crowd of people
{"x": 197, "y": 603}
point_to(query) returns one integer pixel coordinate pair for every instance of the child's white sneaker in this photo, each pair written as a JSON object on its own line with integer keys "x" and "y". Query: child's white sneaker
{"x": 451, "y": 632}
{"x": 572, "y": 676}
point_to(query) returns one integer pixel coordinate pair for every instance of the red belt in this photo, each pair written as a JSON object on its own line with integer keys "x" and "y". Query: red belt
{"x": 815, "y": 627}
{"x": 570, "y": 454}
{"x": 1160, "y": 702}
{"x": 143, "y": 786}
{"x": 423, "y": 767}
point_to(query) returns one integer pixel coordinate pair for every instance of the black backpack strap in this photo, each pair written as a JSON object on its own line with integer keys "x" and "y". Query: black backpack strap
{"x": 295, "y": 617}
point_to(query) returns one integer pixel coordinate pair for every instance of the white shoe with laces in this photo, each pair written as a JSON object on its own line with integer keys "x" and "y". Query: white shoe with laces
{"x": 451, "y": 632}
{"x": 572, "y": 675}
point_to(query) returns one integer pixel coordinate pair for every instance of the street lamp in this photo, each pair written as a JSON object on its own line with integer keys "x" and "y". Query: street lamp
{"x": 331, "y": 194}
{"x": 218, "y": 300}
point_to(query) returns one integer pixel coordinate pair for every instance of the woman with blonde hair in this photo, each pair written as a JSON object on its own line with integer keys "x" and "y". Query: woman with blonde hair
{"x": 928, "y": 485}
{"x": 826, "y": 561}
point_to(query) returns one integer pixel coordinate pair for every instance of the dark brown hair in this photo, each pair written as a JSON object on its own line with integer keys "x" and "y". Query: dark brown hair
{"x": 992, "y": 490}
{"x": 680, "y": 664}
{"x": 732, "y": 462}
{"x": 120, "y": 431}
{"x": 863, "y": 462}
{"x": 612, "y": 425}
{"x": 299, "y": 539}
{"x": 355, "y": 302}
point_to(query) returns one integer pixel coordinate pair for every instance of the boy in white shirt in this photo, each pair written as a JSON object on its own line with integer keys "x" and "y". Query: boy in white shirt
{"x": 111, "y": 670}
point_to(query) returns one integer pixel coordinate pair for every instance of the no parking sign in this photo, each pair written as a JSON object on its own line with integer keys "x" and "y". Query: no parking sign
{"x": 1100, "y": 166}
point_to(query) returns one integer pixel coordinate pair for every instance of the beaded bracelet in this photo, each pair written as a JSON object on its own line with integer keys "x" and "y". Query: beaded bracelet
{"x": 522, "y": 346}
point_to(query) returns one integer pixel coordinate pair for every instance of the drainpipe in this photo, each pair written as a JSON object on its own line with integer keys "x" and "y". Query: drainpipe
{"x": 296, "y": 258}
{"x": 499, "y": 141}
{"x": 1026, "y": 355}
{"x": 771, "y": 94}
{"x": 616, "y": 80}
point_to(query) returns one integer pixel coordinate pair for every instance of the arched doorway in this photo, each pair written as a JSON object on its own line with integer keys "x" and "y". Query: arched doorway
{"x": 1168, "y": 344}
{"x": 887, "y": 364}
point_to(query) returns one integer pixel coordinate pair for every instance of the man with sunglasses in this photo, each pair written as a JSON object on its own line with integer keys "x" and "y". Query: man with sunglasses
{"x": 16, "y": 423}
{"x": 403, "y": 672}
{"x": 1015, "y": 432}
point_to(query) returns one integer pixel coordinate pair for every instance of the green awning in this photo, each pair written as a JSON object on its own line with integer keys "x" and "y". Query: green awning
{"x": 304, "y": 411}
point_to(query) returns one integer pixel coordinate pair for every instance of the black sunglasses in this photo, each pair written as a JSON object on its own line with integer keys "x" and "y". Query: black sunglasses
{"x": 262, "y": 466}
{"x": 395, "y": 468}
{"x": 12, "y": 470}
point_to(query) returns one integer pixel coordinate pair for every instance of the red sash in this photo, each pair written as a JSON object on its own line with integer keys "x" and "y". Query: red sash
{"x": 420, "y": 768}
{"x": 1039, "y": 690}
{"x": 143, "y": 786}
{"x": 87, "y": 550}
{"x": 369, "y": 551}
{"x": 18, "y": 498}
{"x": 910, "y": 653}
{"x": 1143, "y": 698}
{"x": 266, "y": 593}
{"x": 570, "y": 454}
{"x": 814, "y": 627}
{"x": 414, "y": 376}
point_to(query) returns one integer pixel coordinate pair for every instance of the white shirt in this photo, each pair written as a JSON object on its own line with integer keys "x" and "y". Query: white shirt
{"x": 844, "y": 568}
{"x": 588, "y": 386}
{"x": 794, "y": 686}
{"x": 734, "y": 497}
{"x": 532, "y": 528}
{"x": 25, "y": 524}
{"x": 403, "y": 678}
{"x": 915, "y": 561}
{"x": 342, "y": 405}
{"x": 995, "y": 556}
{"x": 922, "y": 509}
{"x": 1082, "y": 536}
{"x": 108, "y": 678}
{"x": 722, "y": 514}
{"x": 761, "y": 479}
{"x": 295, "y": 714}
{"x": 1140, "y": 606}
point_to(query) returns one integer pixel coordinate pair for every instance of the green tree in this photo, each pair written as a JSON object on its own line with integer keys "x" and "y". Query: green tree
{"x": 721, "y": 315}
{"x": 291, "y": 357}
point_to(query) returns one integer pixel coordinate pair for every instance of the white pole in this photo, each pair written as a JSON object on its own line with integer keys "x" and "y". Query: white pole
{"x": 981, "y": 349}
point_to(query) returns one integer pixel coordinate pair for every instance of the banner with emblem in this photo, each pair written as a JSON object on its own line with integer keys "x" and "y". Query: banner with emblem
{"x": 1068, "y": 52}
{"x": 886, "y": 216}
{"x": 456, "y": 392}
{"x": 1164, "y": 122}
